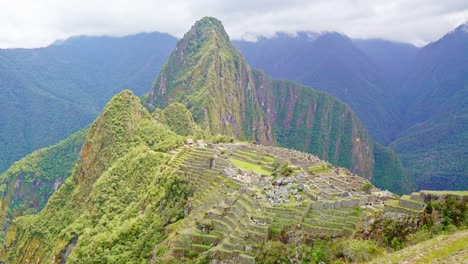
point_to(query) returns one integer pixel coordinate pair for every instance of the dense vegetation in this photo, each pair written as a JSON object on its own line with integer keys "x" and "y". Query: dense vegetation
{"x": 433, "y": 147}
{"x": 212, "y": 79}
{"x": 329, "y": 62}
{"x": 116, "y": 190}
{"x": 50, "y": 93}
{"x": 27, "y": 185}
{"x": 179, "y": 119}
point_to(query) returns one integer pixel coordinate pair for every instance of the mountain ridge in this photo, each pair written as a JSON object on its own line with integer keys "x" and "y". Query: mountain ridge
{"x": 50, "y": 93}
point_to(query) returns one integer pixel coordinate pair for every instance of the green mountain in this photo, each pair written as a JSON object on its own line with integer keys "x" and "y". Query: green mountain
{"x": 410, "y": 99}
{"x": 27, "y": 185}
{"x": 333, "y": 63}
{"x": 433, "y": 146}
{"x": 169, "y": 187}
{"x": 49, "y": 93}
{"x": 226, "y": 96}
{"x": 137, "y": 195}
{"x": 123, "y": 125}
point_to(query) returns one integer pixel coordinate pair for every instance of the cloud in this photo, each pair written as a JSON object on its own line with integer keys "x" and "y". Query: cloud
{"x": 30, "y": 23}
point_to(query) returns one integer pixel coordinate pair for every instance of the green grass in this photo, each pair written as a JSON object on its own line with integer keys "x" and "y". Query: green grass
{"x": 248, "y": 166}
{"x": 253, "y": 154}
{"x": 460, "y": 193}
{"x": 441, "y": 249}
{"x": 318, "y": 168}
{"x": 408, "y": 198}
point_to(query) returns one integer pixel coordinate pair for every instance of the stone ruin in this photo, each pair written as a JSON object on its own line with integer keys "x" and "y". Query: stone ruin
{"x": 234, "y": 207}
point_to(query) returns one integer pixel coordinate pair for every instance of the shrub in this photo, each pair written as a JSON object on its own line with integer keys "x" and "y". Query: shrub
{"x": 367, "y": 187}
{"x": 354, "y": 250}
{"x": 285, "y": 170}
{"x": 419, "y": 236}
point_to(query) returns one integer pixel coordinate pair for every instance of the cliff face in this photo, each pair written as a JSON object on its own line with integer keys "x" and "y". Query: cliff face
{"x": 315, "y": 122}
{"x": 226, "y": 96}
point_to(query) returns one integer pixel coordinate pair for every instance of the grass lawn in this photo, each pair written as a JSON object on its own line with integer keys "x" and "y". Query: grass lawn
{"x": 461, "y": 193}
{"x": 441, "y": 249}
{"x": 243, "y": 165}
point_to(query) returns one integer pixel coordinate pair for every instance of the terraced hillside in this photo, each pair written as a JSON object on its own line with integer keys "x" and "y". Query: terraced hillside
{"x": 246, "y": 194}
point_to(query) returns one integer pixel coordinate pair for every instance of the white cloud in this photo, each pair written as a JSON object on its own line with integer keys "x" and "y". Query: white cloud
{"x": 33, "y": 23}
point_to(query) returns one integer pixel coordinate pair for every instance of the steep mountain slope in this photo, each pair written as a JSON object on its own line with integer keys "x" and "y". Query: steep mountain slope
{"x": 435, "y": 93}
{"x": 209, "y": 76}
{"x": 438, "y": 76}
{"x": 51, "y": 92}
{"x": 118, "y": 172}
{"x": 332, "y": 63}
{"x": 206, "y": 73}
{"x": 411, "y": 99}
{"x": 27, "y": 185}
{"x": 393, "y": 59}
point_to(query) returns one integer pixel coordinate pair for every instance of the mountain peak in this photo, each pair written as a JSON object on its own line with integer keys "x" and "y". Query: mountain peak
{"x": 209, "y": 23}
{"x": 463, "y": 28}
{"x": 207, "y": 27}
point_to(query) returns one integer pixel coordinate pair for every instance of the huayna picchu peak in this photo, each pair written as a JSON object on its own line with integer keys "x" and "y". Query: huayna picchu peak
{"x": 226, "y": 96}
{"x": 219, "y": 163}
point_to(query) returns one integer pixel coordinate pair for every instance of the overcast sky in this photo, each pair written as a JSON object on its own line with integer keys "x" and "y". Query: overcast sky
{"x": 35, "y": 23}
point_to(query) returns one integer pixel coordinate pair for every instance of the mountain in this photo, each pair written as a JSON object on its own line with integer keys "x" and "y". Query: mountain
{"x": 27, "y": 185}
{"x": 49, "y": 93}
{"x": 330, "y": 62}
{"x": 141, "y": 192}
{"x": 137, "y": 195}
{"x": 433, "y": 147}
{"x": 226, "y": 96}
{"x": 116, "y": 149}
{"x": 393, "y": 59}
{"x": 411, "y": 99}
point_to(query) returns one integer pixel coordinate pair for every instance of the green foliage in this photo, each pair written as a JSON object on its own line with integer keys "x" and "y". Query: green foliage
{"x": 448, "y": 211}
{"x": 119, "y": 198}
{"x": 355, "y": 250}
{"x": 443, "y": 214}
{"x": 434, "y": 152}
{"x": 220, "y": 139}
{"x": 388, "y": 171}
{"x": 285, "y": 170}
{"x": 179, "y": 119}
{"x": 367, "y": 187}
{"x": 28, "y": 184}
{"x": 276, "y": 252}
{"x": 146, "y": 196}
{"x": 419, "y": 236}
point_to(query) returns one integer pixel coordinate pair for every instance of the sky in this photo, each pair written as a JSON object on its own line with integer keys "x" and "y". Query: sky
{"x": 37, "y": 23}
